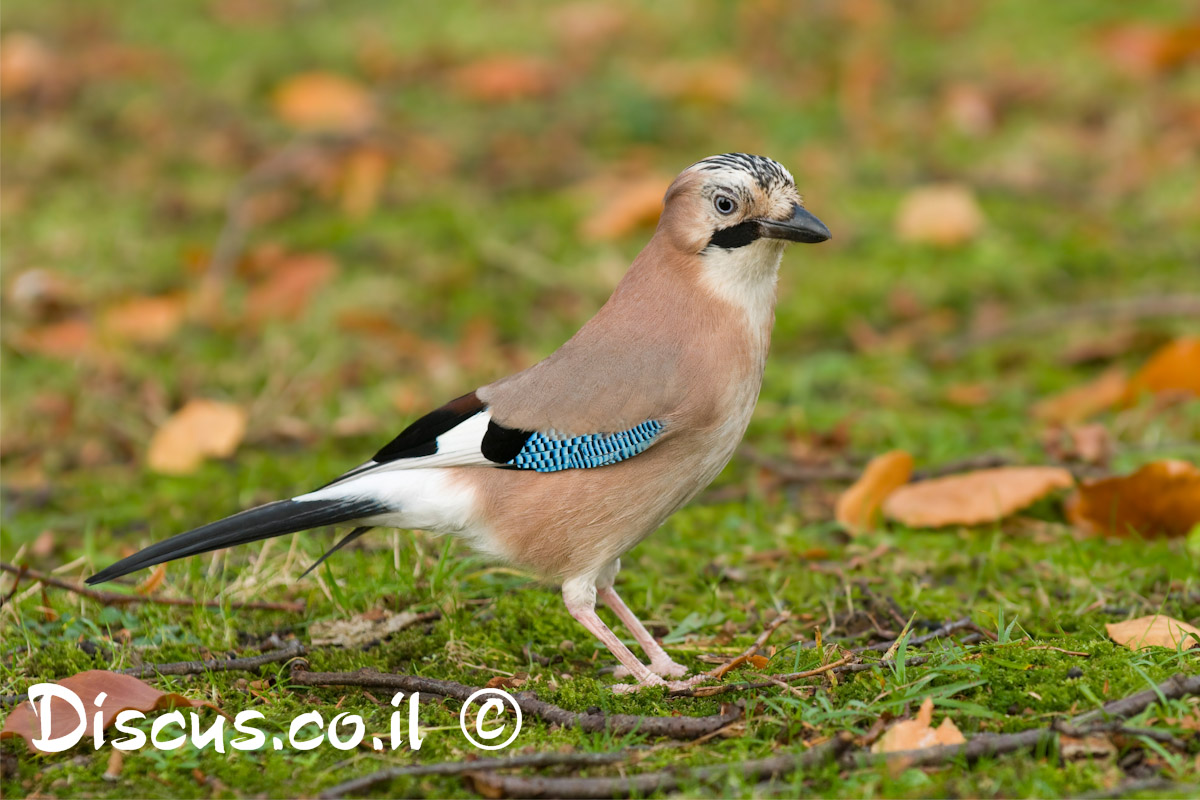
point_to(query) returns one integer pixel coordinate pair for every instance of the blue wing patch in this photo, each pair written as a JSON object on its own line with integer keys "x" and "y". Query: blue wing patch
{"x": 545, "y": 453}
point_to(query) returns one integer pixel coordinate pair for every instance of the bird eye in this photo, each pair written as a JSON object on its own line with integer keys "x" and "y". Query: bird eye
{"x": 724, "y": 204}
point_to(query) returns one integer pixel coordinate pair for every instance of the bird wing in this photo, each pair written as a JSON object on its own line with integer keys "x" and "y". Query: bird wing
{"x": 464, "y": 433}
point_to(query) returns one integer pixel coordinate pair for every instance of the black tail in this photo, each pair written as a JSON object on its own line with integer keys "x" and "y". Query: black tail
{"x": 273, "y": 519}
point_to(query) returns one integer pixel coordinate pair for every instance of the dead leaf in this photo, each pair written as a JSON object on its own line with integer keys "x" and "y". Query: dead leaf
{"x": 363, "y": 179}
{"x": 362, "y": 629}
{"x": 121, "y": 692}
{"x": 503, "y": 79}
{"x": 506, "y": 682}
{"x": 972, "y": 498}
{"x": 67, "y": 340}
{"x": 201, "y": 429}
{"x": 1154, "y": 631}
{"x": 1145, "y": 50}
{"x": 150, "y": 320}
{"x": 709, "y": 81}
{"x": 1161, "y": 498}
{"x": 1175, "y": 367}
{"x": 1076, "y": 405}
{"x": 322, "y": 101}
{"x": 628, "y": 207}
{"x": 759, "y": 662}
{"x": 25, "y": 63}
{"x": 286, "y": 292}
{"x": 968, "y": 395}
{"x": 917, "y": 734}
{"x": 153, "y": 581}
{"x": 943, "y": 214}
{"x": 858, "y": 507}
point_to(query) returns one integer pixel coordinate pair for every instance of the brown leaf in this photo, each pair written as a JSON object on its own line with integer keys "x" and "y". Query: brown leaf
{"x": 1154, "y": 631}
{"x": 943, "y": 214}
{"x": 121, "y": 692}
{"x": 1076, "y": 405}
{"x": 363, "y": 178}
{"x": 323, "y": 101}
{"x": 1175, "y": 367}
{"x": 1145, "y": 50}
{"x": 363, "y": 629}
{"x": 858, "y": 507}
{"x": 150, "y": 320}
{"x": 972, "y": 498}
{"x": 286, "y": 292}
{"x": 505, "y": 682}
{"x": 968, "y": 395}
{"x": 709, "y": 81}
{"x": 25, "y": 63}
{"x": 759, "y": 662}
{"x": 917, "y": 734}
{"x": 67, "y": 340}
{"x": 153, "y": 581}
{"x": 634, "y": 204}
{"x": 1161, "y": 498}
{"x": 200, "y": 429}
{"x": 503, "y": 79}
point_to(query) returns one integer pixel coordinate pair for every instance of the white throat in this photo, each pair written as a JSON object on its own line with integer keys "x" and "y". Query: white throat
{"x": 745, "y": 277}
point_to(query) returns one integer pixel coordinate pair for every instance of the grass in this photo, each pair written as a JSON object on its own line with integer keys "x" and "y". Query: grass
{"x": 1087, "y": 181}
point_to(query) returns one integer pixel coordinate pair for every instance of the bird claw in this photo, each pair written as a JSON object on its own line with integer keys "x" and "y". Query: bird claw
{"x": 663, "y": 669}
{"x": 629, "y": 688}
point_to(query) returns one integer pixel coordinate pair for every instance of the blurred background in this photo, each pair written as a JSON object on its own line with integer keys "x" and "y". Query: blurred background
{"x": 246, "y": 241}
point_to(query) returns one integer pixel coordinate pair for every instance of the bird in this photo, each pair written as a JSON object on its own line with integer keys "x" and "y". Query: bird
{"x": 562, "y": 468}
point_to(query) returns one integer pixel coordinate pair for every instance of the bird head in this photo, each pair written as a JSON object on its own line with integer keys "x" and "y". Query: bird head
{"x": 737, "y": 202}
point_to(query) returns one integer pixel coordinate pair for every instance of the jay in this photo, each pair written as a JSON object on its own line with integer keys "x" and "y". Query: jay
{"x": 565, "y": 466}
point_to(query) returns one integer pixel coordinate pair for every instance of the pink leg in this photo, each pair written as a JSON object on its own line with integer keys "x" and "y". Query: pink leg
{"x": 581, "y": 603}
{"x": 660, "y": 662}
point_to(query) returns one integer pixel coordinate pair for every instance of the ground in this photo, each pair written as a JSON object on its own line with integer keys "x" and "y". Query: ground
{"x": 496, "y": 218}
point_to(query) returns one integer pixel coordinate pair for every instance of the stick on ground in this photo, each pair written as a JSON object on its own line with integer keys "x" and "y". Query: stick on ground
{"x": 620, "y": 724}
{"x": 118, "y": 599}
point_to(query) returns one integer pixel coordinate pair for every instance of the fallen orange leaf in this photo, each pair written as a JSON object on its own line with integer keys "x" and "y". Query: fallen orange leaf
{"x": 502, "y": 79}
{"x": 972, "y": 498}
{"x": 200, "y": 429}
{"x": 1077, "y": 404}
{"x": 151, "y": 583}
{"x": 151, "y": 320}
{"x": 858, "y": 506}
{"x": 1174, "y": 367}
{"x": 363, "y": 178}
{"x": 917, "y": 734}
{"x": 286, "y": 292}
{"x": 1161, "y": 498}
{"x": 634, "y": 205}
{"x": 66, "y": 340}
{"x": 1146, "y": 50}
{"x": 944, "y": 214}
{"x": 121, "y": 692}
{"x": 323, "y": 101}
{"x": 1154, "y": 631}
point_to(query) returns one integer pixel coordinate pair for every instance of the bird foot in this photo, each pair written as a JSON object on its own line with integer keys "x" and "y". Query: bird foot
{"x": 663, "y": 669}
{"x": 629, "y": 688}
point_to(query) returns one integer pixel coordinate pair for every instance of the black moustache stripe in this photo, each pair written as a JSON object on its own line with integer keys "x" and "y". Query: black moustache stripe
{"x": 738, "y": 235}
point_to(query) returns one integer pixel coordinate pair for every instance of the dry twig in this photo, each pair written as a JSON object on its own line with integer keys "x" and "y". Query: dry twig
{"x": 666, "y": 780}
{"x": 620, "y": 724}
{"x": 477, "y": 765}
{"x": 721, "y": 671}
{"x": 117, "y": 599}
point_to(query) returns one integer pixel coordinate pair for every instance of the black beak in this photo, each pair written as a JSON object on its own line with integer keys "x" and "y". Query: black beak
{"x": 802, "y": 227}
